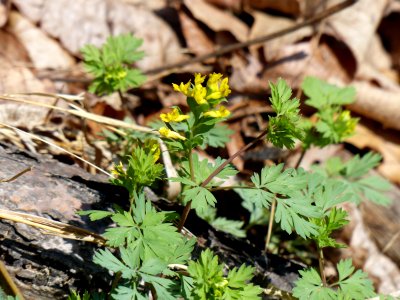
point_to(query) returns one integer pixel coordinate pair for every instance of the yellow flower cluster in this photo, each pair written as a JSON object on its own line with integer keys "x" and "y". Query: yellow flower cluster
{"x": 222, "y": 112}
{"x": 168, "y": 133}
{"x": 216, "y": 89}
{"x": 173, "y": 116}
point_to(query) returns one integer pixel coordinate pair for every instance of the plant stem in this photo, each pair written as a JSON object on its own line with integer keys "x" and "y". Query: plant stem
{"x": 303, "y": 152}
{"x": 188, "y": 206}
{"x": 216, "y": 172}
{"x": 122, "y": 97}
{"x": 321, "y": 261}
{"x": 115, "y": 281}
{"x": 191, "y": 168}
{"x": 270, "y": 225}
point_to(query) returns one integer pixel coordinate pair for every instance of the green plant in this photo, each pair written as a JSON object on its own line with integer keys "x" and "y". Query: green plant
{"x": 210, "y": 283}
{"x": 145, "y": 245}
{"x": 332, "y": 123}
{"x": 111, "y": 64}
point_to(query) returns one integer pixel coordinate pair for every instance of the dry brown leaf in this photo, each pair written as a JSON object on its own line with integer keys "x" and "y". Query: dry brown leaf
{"x": 43, "y": 51}
{"x": 364, "y": 250}
{"x": 383, "y": 142}
{"x": 293, "y": 7}
{"x": 197, "y": 41}
{"x": 356, "y": 26}
{"x": 33, "y": 9}
{"x": 378, "y": 104}
{"x": 217, "y": 19}
{"x": 245, "y": 74}
{"x": 152, "y": 5}
{"x": 81, "y": 22}
{"x": 235, "y": 144}
{"x": 235, "y": 5}
{"x": 161, "y": 46}
{"x": 4, "y": 11}
{"x": 266, "y": 24}
{"x": 293, "y": 63}
{"x": 16, "y": 77}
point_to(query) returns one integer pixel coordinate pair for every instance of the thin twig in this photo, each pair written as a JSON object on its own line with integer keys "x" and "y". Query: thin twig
{"x": 303, "y": 152}
{"x": 321, "y": 262}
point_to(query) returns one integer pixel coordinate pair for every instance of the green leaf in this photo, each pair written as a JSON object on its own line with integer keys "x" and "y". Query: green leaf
{"x": 206, "y": 272}
{"x": 141, "y": 171}
{"x": 201, "y": 198}
{"x": 285, "y": 127}
{"x": 127, "y": 293}
{"x": 336, "y": 219}
{"x": 203, "y": 168}
{"x": 356, "y": 286}
{"x": 309, "y": 287}
{"x": 293, "y": 214}
{"x": 111, "y": 64}
{"x": 357, "y": 167}
{"x": 238, "y": 277}
{"x": 217, "y": 136}
{"x": 330, "y": 194}
{"x": 106, "y": 259}
{"x": 230, "y": 226}
{"x": 322, "y": 94}
{"x": 354, "y": 175}
{"x": 95, "y": 215}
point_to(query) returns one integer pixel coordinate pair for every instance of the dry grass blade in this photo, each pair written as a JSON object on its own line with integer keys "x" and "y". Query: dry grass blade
{"x": 7, "y": 283}
{"x": 65, "y": 97}
{"x": 17, "y": 175}
{"x": 174, "y": 188}
{"x": 53, "y": 227}
{"x": 84, "y": 114}
{"x": 56, "y": 146}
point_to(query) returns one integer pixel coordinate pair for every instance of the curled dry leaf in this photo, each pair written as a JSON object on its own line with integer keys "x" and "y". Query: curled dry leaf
{"x": 266, "y": 24}
{"x": 16, "y": 77}
{"x": 364, "y": 251}
{"x": 294, "y": 63}
{"x": 161, "y": 46}
{"x": 378, "y": 104}
{"x": 4, "y": 11}
{"x": 43, "y": 51}
{"x": 196, "y": 39}
{"x": 293, "y": 7}
{"x": 384, "y": 142}
{"x": 356, "y": 26}
{"x": 245, "y": 74}
{"x": 217, "y": 19}
{"x": 234, "y": 5}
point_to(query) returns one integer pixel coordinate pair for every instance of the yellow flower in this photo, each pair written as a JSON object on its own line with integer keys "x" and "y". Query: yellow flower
{"x": 199, "y": 94}
{"x": 183, "y": 88}
{"x": 164, "y": 131}
{"x": 198, "y": 79}
{"x": 173, "y": 116}
{"x": 153, "y": 147}
{"x": 118, "y": 170}
{"x": 217, "y": 88}
{"x": 222, "y": 112}
{"x": 224, "y": 87}
{"x": 213, "y": 79}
